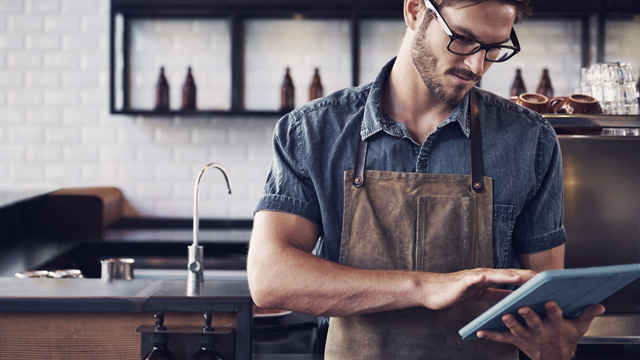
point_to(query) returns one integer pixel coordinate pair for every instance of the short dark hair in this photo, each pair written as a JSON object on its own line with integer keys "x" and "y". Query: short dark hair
{"x": 523, "y": 9}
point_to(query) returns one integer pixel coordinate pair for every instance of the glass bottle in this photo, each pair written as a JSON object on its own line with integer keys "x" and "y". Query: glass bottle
{"x": 518, "y": 87}
{"x": 162, "y": 92}
{"x": 287, "y": 102}
{"x": 544, "y": 87}
{"x": 189, "y": 92}
{"x": 207, "y": 347}
{"x": 316, "y": 90}
{"x": 160, "y": 351}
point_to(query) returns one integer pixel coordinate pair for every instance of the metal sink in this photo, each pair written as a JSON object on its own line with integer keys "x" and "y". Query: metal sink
{"x": 153, "y": 259}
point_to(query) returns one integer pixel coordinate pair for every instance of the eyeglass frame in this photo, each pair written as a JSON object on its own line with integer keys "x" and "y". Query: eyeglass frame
{"x": 431, "y": 9}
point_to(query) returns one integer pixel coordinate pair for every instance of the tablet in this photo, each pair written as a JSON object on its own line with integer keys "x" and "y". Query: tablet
{"x": 572, "y": 289}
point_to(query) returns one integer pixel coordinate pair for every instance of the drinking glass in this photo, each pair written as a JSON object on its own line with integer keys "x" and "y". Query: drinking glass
{"x": 613, "y": 85}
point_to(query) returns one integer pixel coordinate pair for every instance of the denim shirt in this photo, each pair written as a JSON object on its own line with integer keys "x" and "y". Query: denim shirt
{"x": 314, "y": 144}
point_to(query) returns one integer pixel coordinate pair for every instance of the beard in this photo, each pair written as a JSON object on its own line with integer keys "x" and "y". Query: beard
{"x": 426, "y": 63}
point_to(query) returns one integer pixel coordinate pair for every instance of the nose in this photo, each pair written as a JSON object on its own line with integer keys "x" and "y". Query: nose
{"x": 476, "y": 62}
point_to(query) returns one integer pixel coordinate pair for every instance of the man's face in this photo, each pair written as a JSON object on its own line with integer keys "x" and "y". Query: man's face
{"x": 448, "y": 76}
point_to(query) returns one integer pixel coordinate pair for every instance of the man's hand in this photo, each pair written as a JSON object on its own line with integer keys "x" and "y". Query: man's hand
{"x": 469, "y": 286}
{"x": 550, "y": 338}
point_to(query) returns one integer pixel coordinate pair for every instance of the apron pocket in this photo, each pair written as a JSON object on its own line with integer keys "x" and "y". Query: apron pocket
{"x": 445, "y": 234}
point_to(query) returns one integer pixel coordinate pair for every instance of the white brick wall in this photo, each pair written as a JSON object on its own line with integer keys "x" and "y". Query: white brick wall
{"x": 301, "y": 45}
{"x": 552, "y": 44}
{"x": 176, "y": 45}
{"x": 56, "y": 131}
{"x": 380, "y": 42}
{"x": 623, "y": 39}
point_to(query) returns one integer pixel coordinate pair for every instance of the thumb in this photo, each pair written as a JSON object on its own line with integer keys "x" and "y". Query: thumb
{"x": 586, "y": 317}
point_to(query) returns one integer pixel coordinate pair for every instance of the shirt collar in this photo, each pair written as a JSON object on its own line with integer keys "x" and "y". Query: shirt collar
{"x": 375, "y": 120}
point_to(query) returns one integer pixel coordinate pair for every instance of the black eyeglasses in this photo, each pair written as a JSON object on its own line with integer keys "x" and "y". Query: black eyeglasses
{"x": 461, "y": 45}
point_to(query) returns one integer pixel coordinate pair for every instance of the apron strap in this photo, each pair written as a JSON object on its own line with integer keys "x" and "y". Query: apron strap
{"x": 477, "y": 166}
{"x": 361, "y": 159}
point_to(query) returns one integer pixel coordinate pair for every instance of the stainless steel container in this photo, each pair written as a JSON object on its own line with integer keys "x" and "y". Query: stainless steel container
{"x": 117, "y": 269}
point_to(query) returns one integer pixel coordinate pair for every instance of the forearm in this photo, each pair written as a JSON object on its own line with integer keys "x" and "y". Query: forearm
{"x": 283, "y": 274}
{"x": 291, "y": 278}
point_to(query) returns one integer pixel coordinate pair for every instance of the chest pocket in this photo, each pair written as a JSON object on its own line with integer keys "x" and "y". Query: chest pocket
{"x": 504, "y": 220}
{"x": 444, "y": 236}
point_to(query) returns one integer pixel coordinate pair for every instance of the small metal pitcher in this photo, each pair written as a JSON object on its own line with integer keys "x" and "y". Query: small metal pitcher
{"x": 117, "y": 269}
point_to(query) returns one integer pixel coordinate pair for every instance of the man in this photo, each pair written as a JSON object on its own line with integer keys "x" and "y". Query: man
{"x": 420, "y": 195}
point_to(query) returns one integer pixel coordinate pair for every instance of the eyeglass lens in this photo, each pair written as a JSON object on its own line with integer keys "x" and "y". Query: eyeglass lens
{"x": 462, "y": 46}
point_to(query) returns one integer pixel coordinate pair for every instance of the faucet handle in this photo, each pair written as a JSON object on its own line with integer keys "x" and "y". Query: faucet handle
{"x": 194, "y": 266}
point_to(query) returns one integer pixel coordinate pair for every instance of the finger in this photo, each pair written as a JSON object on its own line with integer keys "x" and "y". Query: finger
{"x": 506, "y": 277}
{"x": 515, "y": 327}
{"x": 534, "y": 323}
{"x": 554, "y": 313}
{"x": 592, "y": 311}
{"x": 504, "y": 337}
{"x": 583, "y": 321}
{"x": 509, "y": 276}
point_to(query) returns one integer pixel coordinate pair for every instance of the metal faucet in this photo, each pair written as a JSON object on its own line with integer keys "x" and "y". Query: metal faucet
{"x": 195, "y": 280}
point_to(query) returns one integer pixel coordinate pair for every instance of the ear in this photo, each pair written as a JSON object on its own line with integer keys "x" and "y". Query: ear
{"x": 410, "y": 9}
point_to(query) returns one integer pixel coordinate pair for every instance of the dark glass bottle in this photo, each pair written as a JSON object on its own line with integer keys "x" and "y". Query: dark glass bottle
{"x": 160, "y": 351}
{"x": 189, "y": 92}
{"x": 162, "y": 92}
{"x": 207, "y": 348}
{"x": 518, "y": 87}
{"x": 544, "y": 87}
{"x": 315, "y": 89}
{"x": 287, "y": 91}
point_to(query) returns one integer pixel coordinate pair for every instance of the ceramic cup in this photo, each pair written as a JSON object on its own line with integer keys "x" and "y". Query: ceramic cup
{"x": 536, "y": 102}
{"x": 576, "y": 104}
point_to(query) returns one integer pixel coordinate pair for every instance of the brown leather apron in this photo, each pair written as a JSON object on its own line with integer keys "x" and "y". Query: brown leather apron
{"x": 418, "y": 222}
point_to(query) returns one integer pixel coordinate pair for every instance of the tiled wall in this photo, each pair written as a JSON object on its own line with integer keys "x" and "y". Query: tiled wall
{"x": 176, "y": 45}
{"x": 56, "y": 130}
{"x": 301, "y": 45}
{"x": 552, "y": 44}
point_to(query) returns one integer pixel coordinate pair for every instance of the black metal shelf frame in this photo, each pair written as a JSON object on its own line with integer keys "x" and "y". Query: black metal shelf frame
{"x": 239, "y": 11}
{"x": 236, "y": 15}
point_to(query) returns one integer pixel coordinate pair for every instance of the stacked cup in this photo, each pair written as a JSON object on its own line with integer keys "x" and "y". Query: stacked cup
{"x": 613, "y": 85}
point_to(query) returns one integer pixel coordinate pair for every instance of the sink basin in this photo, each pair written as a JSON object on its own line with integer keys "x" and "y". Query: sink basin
{"x": 154, "y": 259}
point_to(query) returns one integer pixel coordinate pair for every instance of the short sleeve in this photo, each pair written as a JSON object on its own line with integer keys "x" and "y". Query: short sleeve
{"x": 288, "y": 187}
{"x": 539, "y": 225}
